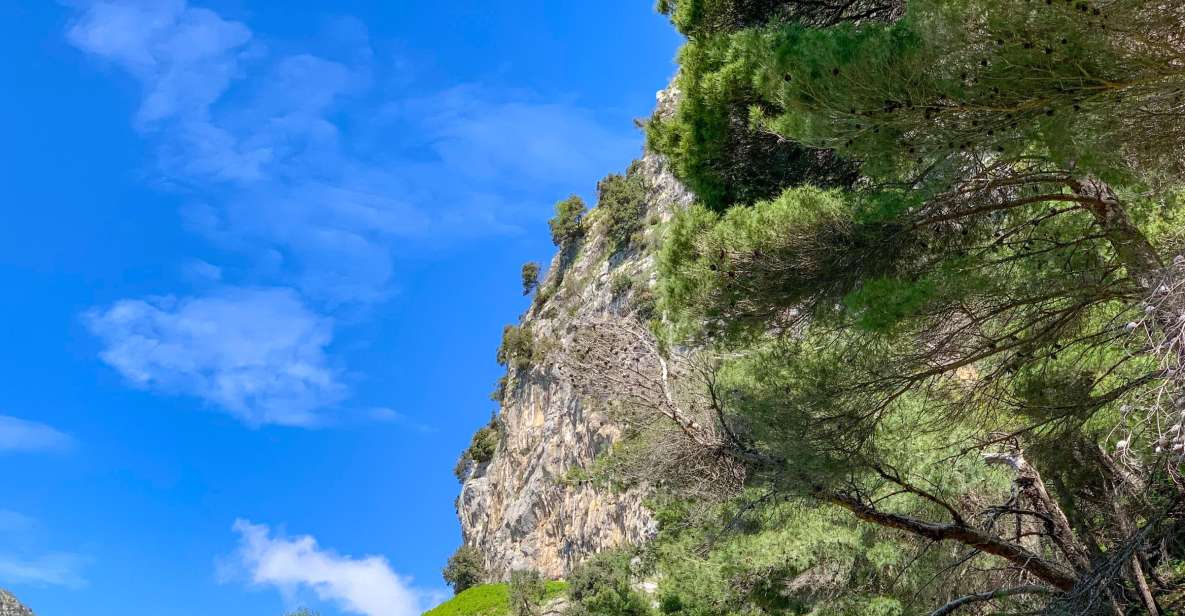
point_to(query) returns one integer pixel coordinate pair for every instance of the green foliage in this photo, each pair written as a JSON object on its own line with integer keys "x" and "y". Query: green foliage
{"x": 738, "y": 270}
{"x": 478, "y": 600}
{"x": 517, "y": 348}
{"x": 621, "y": 208}
{"x": 546, "y": 292}
{"x": 881, "y": 303}
{"x": 485, "y": 443}
{"x": 603, "y": 586}
{"x": 1021, "y": 166}
{"x": 782, "y": 558}
{"x": 481, "y": 449}
{"x": 702, "y": 18}
{"x": 488, "y": 600}
{"x": 1003, "y": 80}
{"x": 717, "y": 151}
{"x": 567, "y": 224}
{"x": 499, "y": 392}
{"x": 715, "y": 147}
{"x": 304, "y": 611}
{"x": 620, "y": 284}
{"x": 527, "y": 591}
{"x": 465, "y": 570}
{"x": 530, "y": 275}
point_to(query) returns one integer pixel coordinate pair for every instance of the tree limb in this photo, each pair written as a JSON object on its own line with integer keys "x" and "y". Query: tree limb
{"x": 990, "y": 595}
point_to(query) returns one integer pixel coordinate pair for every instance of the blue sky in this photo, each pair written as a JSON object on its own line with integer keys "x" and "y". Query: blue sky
{"x": 256, "y": 258}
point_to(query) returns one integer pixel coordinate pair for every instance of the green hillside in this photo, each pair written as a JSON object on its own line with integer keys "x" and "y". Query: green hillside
{"x": 485, "y": 600}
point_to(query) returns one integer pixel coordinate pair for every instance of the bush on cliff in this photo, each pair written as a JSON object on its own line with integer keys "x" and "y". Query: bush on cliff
{"x": 465, "y": 569}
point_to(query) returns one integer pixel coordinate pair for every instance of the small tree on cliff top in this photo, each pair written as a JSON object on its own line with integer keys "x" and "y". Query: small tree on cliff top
{"x": 567, "y": 224}
{"x": 530, "y": 275}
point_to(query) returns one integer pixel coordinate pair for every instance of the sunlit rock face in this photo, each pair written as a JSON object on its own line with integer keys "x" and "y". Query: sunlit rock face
{"x": 522, "y": 510}
{"x": 9, "y": 606}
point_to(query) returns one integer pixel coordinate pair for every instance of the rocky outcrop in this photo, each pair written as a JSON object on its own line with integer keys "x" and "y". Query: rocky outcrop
{"x": 522, "y": 510}
{"x": 9, "y": 606}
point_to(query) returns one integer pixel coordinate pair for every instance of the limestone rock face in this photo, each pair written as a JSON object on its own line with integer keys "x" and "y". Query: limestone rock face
{"x": 9, "y": 606}
{"x": 521, "y": 510}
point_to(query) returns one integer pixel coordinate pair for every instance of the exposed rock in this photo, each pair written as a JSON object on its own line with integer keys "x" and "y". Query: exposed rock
{"x": 555, "y": 607}
{"x": 518, "y": 510}
{"x": 9, "y": 606}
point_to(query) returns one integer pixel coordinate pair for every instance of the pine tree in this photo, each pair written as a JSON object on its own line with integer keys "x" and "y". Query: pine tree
{"x": 991, "y": 294}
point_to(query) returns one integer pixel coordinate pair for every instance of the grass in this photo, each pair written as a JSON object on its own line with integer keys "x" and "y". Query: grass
{"x": 485, "y": 600}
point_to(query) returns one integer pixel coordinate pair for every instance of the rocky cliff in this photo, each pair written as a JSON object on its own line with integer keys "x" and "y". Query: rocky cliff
{"x": 521, "y": 510}
{"x": 9, "y": 606}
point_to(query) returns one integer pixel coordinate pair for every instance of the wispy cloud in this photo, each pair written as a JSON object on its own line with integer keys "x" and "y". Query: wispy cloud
{"x": 53, "y": 569}
{"x": 14, "y": 522}
{"x": 316, "y": 175}
{"x": 258, "y": 353}
{"x": 365, "y": 585}
{"x": 25, "y": 561}
{"x": 21, "y": 435}
{"x": 483, "y": 134}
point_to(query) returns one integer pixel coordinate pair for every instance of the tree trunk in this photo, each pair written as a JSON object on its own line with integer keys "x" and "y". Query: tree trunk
{"x": 1028, "y": 481}
{"x": 1132, "y": 248}
{"x": 1026, "y": 560}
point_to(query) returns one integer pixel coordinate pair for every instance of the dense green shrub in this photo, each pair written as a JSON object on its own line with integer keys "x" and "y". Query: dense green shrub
{"x": 603, "y": 586}
{"x": 715, "y": 149}
{"x": 530, "y": 276}
{"x": 620, "y": 284}
{"x": 702, "y": 18}
{"x": 621, "y": 206}
{"x": 485, "y": 443}
{"x": 481, "y": 449}
{"x": 517, "y": 348}
{"x": 465, "y": 569}
{"x": 567, "y": 224}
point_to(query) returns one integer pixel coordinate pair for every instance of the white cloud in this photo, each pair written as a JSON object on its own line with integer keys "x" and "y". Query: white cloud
{"x": 365, "y": 585}
{"x": 307, "y": 140}
{"x": 486, "y": 135}
{"x": 21, "y": 435}
{"x": 24, "y": 559}
{"x": 316, "y": 177}
{"x": 257, "y": 353}
{"x": 53, "y": 569}
{"x": 185, "y": 57}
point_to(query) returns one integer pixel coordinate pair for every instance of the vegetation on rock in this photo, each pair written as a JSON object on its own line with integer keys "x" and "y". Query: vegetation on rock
{"x": 465, "y": 569}
{"x": 530, "y": 276}
{"x": 567, "y": 224}
{"x": 922, "y": 345}
{"x": 621, "y": 208}
{"x": 481, "y": 449}
{"x": 517, "y": 348}
{"x": 604, "y": 584}
{"x": 919, "y": 342}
